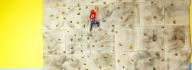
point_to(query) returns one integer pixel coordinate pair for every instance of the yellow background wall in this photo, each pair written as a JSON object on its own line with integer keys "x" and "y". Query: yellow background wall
{"x": 191, "y": 26}
{"x": 20, "y": 33}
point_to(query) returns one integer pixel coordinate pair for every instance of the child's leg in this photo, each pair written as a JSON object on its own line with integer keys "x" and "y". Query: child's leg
{"x": 92, "y": 23}
{"x": 98, "y": 24}
{"x": 91, "y": 26}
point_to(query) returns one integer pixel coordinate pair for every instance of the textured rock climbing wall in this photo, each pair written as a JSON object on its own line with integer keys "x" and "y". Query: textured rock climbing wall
{"x": 133, "y": 35}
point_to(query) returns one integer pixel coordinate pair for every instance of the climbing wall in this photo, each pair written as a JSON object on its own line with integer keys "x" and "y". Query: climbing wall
{"x": 133, "y": 35}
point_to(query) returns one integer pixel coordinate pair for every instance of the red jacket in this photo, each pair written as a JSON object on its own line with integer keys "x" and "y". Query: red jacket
{"x": 92, "y": 14}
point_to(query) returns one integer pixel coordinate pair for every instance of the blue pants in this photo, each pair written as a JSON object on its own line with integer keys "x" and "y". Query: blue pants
{"x": 93, "y": 22}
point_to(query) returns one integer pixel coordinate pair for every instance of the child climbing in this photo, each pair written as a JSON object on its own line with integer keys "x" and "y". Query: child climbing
{"x": 92, "y": 19}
